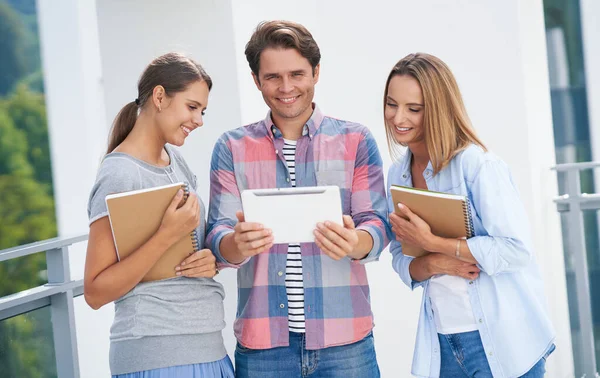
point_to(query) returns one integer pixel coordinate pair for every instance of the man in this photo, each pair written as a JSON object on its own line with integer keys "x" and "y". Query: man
{"x": 302, "y": 309}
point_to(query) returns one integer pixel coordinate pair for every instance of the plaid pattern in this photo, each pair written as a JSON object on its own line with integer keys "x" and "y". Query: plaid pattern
{"x": 336, "y": 296}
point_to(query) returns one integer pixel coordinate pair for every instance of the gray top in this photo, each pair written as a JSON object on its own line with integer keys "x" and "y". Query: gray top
{"x": 164, "y": 323}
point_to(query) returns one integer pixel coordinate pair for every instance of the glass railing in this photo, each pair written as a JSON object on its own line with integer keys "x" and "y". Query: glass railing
{"x": 579, "y": 217}
{"x": 27, "y": 345}
{"x": 37, "y": 325}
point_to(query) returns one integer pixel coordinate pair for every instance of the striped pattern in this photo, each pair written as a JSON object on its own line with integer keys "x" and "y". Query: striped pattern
{"x": 337, "y": 307}
{"x": 289, "y": 154}
{"x": 294, "y": 286}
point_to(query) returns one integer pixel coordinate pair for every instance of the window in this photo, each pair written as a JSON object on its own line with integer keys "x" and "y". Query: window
{"x": 572, "y": 143}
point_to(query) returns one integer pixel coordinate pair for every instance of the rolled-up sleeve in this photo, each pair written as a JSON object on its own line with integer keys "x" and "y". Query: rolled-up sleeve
{"x": 224, "y": 201}
{"x": 368, "y": 204}
{"x": 400, "y": 262}
{"x": 507, "y": 245}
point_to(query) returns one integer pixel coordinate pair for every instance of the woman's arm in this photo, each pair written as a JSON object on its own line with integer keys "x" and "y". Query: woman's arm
{"x": 424, "y": 267}
{"x": 107, "y": 279}
{"x": 506, "y": 246}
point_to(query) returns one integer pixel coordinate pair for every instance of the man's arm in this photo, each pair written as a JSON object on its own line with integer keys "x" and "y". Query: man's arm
{"x": 366, "y": 233}
{"x": 224, "y": 201}
{"x": 368, "y": 200}
{"x": 232, "y": 240}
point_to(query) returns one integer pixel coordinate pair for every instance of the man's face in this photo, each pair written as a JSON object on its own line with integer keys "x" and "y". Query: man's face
{"x": 286, "y": 81}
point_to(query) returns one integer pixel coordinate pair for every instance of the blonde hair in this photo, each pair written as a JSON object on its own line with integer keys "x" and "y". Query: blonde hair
{"x": 446, "y": 125}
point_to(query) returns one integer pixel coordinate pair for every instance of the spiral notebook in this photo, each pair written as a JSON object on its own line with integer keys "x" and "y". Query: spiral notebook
{"x": 136, "y": 215}
{"x": 448, "y": 215}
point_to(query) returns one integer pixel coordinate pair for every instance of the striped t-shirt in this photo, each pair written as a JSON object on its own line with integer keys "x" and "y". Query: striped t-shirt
{"x": 293, "y": 270}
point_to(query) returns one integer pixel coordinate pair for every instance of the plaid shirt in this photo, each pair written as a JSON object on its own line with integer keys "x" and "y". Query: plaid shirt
{"x": 336, "y": 293}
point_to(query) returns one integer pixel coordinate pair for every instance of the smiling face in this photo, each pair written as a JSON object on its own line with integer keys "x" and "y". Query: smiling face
{"x": 287, "y": 83}
{"x": 182, "y": 113}
{"x": 405, "y": 110}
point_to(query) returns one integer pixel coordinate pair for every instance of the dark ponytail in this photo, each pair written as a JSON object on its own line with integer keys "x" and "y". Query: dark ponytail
{"x": 122, "y": 125}
{"x": 175, "y": 72}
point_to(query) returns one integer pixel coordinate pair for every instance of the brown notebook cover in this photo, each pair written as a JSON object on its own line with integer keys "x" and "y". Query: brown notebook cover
{"x": 136, "y": 215}
{"x": 448, "y": 215}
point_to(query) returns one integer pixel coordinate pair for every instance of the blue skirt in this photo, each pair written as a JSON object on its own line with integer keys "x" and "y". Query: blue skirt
{"x": 218, "y": 369}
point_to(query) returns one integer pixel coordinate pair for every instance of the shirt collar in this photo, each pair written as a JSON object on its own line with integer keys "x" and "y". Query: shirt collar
{"x": 310, "y": 127}
{"x": 405, "y": 165}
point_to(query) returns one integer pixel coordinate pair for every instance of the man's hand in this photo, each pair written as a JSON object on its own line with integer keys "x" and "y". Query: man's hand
{"x": 337, "y": 241}
{"x": 251, "y": 238}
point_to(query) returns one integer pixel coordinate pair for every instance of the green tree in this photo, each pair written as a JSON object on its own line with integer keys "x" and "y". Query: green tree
{"x": 13, "y": 148}
{"x": 26, "y": 7}
{"x": 34, "y": 81}
{"x": 24, "y": 346}
{"x": 27, "y": 214}
{"x": 28, "y": 112}
{"x": 13, "y": 46}
{"x": 26, "y": 203}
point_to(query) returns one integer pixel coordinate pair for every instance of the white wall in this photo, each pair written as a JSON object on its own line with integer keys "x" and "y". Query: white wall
{"x": 77, "y": 126}
{"x": 540, "y": 187}
{"x": 495, "y": 48}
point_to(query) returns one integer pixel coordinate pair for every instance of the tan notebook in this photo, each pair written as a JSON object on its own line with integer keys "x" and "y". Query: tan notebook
{"x": 136, "y": 215}
{"x": 448, "y": 215}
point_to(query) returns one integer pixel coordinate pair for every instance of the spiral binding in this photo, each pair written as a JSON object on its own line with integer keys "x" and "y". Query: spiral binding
{"x": 194, "y": 233}
{"x": 468, "y": 218}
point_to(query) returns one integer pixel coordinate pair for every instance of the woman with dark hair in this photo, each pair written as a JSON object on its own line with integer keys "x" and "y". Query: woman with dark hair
{"x": 483, "y": 312}
{"x": 172, "y": 327}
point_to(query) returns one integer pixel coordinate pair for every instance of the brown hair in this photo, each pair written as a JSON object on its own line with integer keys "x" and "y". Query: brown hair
{"x": 447, "y": 128}
{"x": 174, "y": 71}
{"x": 285, "y": 35}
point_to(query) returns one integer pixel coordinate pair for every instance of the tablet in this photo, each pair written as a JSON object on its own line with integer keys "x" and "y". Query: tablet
{"x": 293, "y": 213}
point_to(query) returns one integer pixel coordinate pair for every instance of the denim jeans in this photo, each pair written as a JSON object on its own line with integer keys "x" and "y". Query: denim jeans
{"x": 463, "y": 356}
{"x": 356, "y": 360}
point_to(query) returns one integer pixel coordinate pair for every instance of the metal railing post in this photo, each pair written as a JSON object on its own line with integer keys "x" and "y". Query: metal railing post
{"x": 573, "y": 202}
{"x": 63, "y": 315}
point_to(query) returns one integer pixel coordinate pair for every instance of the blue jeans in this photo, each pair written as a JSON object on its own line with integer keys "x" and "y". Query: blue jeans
{"x": 463, "y": 356}
{"x": 347, "y": 361}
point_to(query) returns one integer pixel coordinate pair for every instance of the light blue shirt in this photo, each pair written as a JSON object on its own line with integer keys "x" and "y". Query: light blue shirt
{"x": 508, "y": 299}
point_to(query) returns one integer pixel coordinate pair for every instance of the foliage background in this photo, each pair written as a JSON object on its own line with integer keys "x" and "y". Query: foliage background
{"x": 26, "y": 195}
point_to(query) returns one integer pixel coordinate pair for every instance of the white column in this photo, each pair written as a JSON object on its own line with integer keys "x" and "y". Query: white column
{"x": 75, "y": 103}
{"x": 77, "y": 130}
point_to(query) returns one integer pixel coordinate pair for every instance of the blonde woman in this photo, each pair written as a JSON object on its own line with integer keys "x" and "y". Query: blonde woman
{"x": 483, "y": 311}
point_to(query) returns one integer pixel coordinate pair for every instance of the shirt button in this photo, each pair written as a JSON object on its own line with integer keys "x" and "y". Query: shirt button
{"x": 287, "y": 179}
{"x": 280, "y": 274}
{"x": 281, "y": 305}
{"x": 404, "y": 175}
{"x": 435, "y": 351}
{"x": 470, "y": 282}
{"x": 491, "y": 354}
{"x": 480, "y": 320}
{"x": 276, "y": 151}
